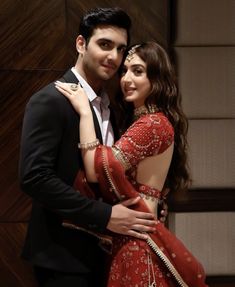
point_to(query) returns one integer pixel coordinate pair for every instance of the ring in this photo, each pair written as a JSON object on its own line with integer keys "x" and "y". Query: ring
{"x": 74, "y": 87}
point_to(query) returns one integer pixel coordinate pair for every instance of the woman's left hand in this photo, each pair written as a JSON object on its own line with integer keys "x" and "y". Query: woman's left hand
{"x": 76, "y": 95}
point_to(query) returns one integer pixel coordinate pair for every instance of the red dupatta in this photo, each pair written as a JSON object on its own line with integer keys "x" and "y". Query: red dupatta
{"x": 114, "y": 187}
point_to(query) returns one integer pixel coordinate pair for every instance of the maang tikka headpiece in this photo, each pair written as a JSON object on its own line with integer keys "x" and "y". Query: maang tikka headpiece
{"x": 131, "y": 52}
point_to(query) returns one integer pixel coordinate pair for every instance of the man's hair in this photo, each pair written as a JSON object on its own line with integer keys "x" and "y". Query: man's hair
{"x": 104, "y": 16}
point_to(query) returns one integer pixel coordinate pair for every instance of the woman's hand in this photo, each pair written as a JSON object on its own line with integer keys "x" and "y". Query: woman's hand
{"x": 76, "y": 95}
{"x": 87, "y": 135}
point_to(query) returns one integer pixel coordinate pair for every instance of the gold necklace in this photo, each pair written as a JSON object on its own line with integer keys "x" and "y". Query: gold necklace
{"x": 143, "y": 110}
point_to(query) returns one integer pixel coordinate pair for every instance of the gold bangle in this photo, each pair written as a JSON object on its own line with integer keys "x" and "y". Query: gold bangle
{"x": 89, "y": 145}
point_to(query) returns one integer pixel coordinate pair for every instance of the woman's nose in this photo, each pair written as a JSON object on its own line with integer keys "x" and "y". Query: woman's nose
{"x": 126, "y": 77}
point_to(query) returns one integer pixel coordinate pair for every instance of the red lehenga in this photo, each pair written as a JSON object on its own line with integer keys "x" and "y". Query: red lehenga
{"x": 162, "y": 260}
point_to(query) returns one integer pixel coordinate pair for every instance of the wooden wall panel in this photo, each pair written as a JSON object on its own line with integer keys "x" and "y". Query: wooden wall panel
{"x": 16, "y": 88}
{"x": 149, "y": 21}
{"x": 37, "y": 44}
{"x": 13, "y": 272}
{"x": 32, "y": 34}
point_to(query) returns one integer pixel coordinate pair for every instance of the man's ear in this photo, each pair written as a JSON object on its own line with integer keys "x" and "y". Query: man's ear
{"x": 80, "y": 44}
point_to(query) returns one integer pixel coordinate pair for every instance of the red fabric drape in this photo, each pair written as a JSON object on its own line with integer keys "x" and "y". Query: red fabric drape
{"x": 114, "y": 186}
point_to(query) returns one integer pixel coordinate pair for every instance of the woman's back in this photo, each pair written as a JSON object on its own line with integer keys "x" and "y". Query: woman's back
{"x": 152, "y": 171}
{"x": 147, "y": 149}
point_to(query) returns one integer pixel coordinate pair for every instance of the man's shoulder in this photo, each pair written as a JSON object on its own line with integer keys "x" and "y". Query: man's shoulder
{"x": 47, "y": 94}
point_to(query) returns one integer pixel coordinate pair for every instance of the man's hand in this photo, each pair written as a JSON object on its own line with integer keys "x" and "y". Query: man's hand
{"x": 126, "y": 221}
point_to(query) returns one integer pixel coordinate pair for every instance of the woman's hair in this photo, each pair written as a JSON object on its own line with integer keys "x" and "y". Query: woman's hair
{"x": 165, "y": 95}
{"x": 113, "y": 16}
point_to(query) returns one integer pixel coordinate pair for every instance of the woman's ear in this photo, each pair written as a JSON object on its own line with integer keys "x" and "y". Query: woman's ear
{"x": 80, "y": 44}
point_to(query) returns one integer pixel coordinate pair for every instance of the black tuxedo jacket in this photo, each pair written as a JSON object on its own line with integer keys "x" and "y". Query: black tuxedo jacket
{"x": 49, "y": 162}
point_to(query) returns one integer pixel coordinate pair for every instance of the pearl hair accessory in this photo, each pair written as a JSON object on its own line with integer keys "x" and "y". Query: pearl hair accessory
{"x": 131, "y": 52}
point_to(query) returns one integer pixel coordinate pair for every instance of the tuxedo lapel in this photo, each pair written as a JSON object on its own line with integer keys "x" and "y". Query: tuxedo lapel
{"x": 97, "y": 126}
{"x": 69, "y": 77}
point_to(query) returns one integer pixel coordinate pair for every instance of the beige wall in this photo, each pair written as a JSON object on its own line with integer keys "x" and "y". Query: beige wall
{"x": 203, "y": 40}
{"x": 210, "y": 237}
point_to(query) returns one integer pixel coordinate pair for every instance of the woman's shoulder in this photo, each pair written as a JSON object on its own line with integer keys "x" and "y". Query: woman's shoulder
{"x": 156, "y": 120}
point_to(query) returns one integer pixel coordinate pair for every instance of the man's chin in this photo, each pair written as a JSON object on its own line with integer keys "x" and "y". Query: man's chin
{"x": 107, "y": 76}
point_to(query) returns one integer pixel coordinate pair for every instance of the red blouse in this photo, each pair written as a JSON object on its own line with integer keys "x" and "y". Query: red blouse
{"x": 151, "y": 134}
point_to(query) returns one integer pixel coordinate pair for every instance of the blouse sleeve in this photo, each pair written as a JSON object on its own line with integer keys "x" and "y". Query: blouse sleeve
{"x": 151, "y": 134}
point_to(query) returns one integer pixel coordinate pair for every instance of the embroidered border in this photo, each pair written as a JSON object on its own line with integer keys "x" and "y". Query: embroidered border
{"x": 166, "y": 261}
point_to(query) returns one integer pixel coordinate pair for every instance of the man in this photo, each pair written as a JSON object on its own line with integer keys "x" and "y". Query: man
{"x": 50, "y": 160}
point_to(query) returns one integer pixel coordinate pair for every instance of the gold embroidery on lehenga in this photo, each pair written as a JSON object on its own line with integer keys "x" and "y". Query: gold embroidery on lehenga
{"x": 149, "y": 241}
{"x": 166, "y": 261}
{"x": 151, "y": 274}
{"x": 108, "y": 175}
{"x": 150, "y": 135}
{"x": 120, "y": 156}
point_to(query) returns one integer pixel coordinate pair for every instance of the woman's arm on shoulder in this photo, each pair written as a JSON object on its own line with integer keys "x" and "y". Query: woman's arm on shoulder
{"x": 88, "y": 140}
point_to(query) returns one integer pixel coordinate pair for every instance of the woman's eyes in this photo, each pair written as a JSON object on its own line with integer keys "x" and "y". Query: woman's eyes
{"x": 138, "y": 71}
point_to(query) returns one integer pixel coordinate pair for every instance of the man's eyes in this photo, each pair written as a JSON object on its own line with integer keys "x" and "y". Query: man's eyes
{"x": 105, "y": 45}
{"x": 110, "y": 46}
{"x": 122, "y": 49}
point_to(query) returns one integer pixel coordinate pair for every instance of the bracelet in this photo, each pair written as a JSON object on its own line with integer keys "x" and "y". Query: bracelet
{"x": 89, "y": 145}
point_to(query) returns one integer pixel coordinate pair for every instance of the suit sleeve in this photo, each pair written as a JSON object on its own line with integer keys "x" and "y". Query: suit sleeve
{"x": 45, "y": 120}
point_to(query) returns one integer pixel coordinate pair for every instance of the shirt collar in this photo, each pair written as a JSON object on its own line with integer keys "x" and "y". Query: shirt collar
{"x": 92, "y": 96}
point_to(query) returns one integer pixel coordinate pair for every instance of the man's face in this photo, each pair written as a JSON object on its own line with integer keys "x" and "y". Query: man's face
{"x": 104, "y": 52}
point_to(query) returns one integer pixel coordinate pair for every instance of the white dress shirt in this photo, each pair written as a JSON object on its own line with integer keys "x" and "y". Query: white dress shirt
{"x": 101, "y": 108}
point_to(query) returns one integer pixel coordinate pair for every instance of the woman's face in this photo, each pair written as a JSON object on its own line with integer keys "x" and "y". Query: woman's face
{"x": 134, "y": 82}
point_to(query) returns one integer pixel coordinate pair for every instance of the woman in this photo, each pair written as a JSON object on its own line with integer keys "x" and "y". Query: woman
{"x": 149, "y": 157}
